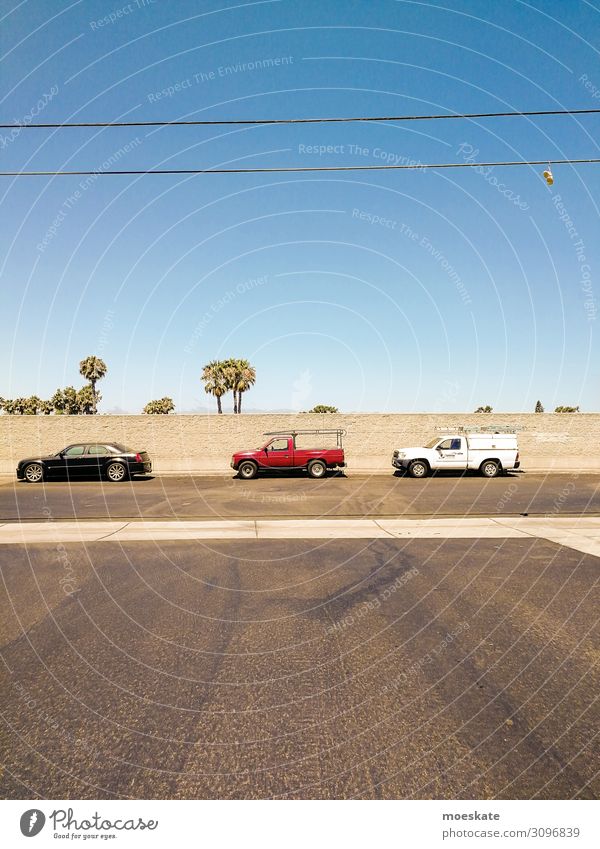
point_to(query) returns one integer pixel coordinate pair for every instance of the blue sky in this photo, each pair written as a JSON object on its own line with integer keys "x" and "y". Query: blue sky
{"x": 398, "y": 291}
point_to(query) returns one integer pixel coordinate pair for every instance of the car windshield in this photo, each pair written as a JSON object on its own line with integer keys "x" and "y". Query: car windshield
{"x": 121, "y": 449}
{"x": 433, "y": 442}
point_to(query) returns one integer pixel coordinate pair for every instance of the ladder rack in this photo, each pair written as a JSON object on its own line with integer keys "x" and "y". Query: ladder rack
{"x": 480, "y": 429}
{"x": 339, "y": 433}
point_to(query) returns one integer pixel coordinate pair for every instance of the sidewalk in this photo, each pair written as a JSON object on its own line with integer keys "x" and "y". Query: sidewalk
{"x": 581, "y": 534}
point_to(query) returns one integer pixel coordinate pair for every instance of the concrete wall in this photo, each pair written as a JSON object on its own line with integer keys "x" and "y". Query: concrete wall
{"x": 205, "y": 442}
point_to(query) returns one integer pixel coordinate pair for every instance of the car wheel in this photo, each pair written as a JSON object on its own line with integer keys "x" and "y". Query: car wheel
{"x": 34, "y": 473}
{"x": 116, "y": 472}
{"x": 317, "y": 468}
{"x": 247, "y": 470}
{"x": 418, "y": 469}
{"x": 490, "y": 469}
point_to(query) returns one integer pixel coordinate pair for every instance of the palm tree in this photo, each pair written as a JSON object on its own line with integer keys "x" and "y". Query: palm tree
{"x": 59, "y": 402}
{"x": 160, "y": 406}
{"x": 93, "y": 369}
{"x": 70, "y": 402}
{"x": 245, "y": 380}
{"x": 230, "y": 375}
{"x": 240, "y": 376}
{"x": 215, "y": 381}
{"x": 86, "y": 399}
{"x": 19, "y": 406}
{"x": 32, "y": 405}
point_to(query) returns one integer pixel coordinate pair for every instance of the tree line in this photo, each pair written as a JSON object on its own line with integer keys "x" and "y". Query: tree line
{"x": 68, "y": 401}
{"x": 219, "y": 377}
{"x": 538, "y": 409}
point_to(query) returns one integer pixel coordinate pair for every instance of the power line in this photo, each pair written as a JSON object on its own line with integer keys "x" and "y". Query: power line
{"x": 236, "y": 122}
{"x": 182, "y": 171}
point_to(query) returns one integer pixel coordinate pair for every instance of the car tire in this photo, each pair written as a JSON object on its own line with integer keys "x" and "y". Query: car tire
{"x": 418, "y": 469}
{"x": 317, "y": 469}
{"x": 34, "y": 473}
{"x": 116, "y": 472}
{"x": 247, "y": 470}
{"x": 490, "y": 468}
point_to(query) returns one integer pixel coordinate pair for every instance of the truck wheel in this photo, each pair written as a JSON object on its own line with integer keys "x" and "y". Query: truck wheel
{"x": 490, "y": 468}
{"x": 418, "y": 469}
{"x": 316, "y": 468}
{"x": 247, "y": 470}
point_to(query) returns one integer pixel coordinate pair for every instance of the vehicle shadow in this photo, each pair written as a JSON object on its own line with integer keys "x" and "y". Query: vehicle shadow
{"x": 88, "y": 479}
{"x": 293, "y": 474}
{"x": 456, "y": 473}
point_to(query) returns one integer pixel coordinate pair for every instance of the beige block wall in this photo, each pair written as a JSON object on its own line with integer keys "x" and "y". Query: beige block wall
{"x": 204, "y": 443}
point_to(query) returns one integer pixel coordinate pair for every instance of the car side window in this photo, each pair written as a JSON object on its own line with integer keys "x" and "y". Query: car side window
{"x": 74, "y": 451}
{"x": 278, "y": 445}
{"x": 98, "y": 450}
{"x": 450, "y": 444}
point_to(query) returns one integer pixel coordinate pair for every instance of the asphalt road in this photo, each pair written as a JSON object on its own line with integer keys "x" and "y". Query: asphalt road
{"x": 188, "y": 497}
{"x": 371, "y": 669}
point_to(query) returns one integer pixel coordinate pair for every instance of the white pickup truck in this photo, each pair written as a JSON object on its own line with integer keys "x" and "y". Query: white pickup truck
{"x": 490, "y": 453}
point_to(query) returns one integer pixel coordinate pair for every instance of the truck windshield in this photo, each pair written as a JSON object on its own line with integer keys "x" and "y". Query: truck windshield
{"x": 433, "y": 442}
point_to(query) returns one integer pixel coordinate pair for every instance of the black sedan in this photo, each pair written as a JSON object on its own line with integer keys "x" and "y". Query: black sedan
{"x": 108, "y": 459}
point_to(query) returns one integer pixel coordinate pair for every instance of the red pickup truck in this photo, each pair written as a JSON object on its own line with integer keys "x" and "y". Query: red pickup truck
{"x": 281, "y": 453}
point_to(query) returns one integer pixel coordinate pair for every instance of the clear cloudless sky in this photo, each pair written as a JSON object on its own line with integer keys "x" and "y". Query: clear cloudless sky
{"x": 395, "y": 291}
